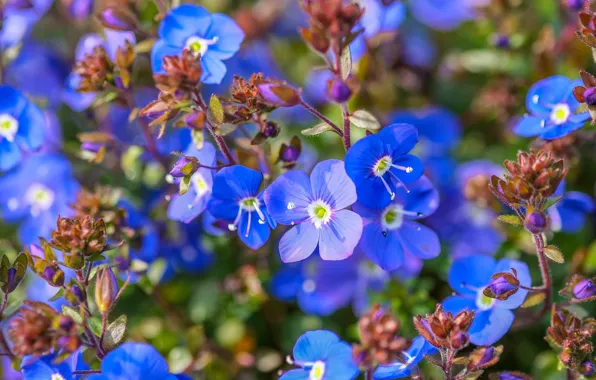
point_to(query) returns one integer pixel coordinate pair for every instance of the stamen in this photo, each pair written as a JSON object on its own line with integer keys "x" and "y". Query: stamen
{"x": 261, "y": 215}
{"x": 391, "y": 193}
{"x": 233, "y": 226}
{"x": 248, "y": 225}
{"x": 399, "y": 180}
{"x": 407, "y": 169}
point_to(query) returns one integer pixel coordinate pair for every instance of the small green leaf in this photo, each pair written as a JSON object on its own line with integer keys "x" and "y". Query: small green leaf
{"x": 534, "y": 299}
{"x": 144, "y": 46}
{"x": 96, "y": 257}
{"x": 317, "y": 129}
{"x": 198, "y": 138}
{"x": 365, "y": 120}
{"x": 346, "y": 63}
{"x": 156, "y": 271}
{"x": 225, "y": 129}
{"x": 217, "y": 111}
{"x": 95, "y": 325}
{"x": 58, "y": 294}
{"x": 551, "y": 201}
{"x": 554, "y": 253}
{"x": 115, "y": 332}
{"x": 474, "y": 375}
{"x": 582, "y": 108}
{"x": 510, "y": 219}
{"x": 185, "y": 184}
{"x": 75, "y": 315}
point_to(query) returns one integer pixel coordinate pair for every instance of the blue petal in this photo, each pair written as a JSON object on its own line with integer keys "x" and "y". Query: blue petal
{"x": 214, "y": 69}
{"x": 134, "y": 361}
{"x": 569, "y": 215}
{"x": 562, "y": 130}
{"x": 471, "y": 272}
{"x": 439, "y": 126}
{"x": 183, "y": 22}
{"x": 544, "y": 94}
{"x": 314, "y": 345}
{"x": 10, "y": 155}
{"x": 160, "y": 50}
{"x": 455, "y": 304}
{"x": 384, "y": 250}
{"x": 340, "y": 365}
{"x": 287, "y": 282}
{"x": 419, "y": 240}
{"x": 255, "y": 236}
{"x": 42, "y": 225}
{"x": 523, "y": 275}
{"x": 86, "y": 45}
{"x": 229, "y": 36}
{"x": 489, "y": 326}
{"x": 237, "y": 182}
{"x": 299, "y": 242}
{"x": 13, "y": 102}
{"x": 116, "y": 39}
{"x": 530, "y": 126}
{"x": 31, "y": 127}
{"x": 335, "y": 283}
{"x": 416, "y": 352}
{"x": 43, "y": 368}
{"x": 295, "y": 374}
{"x": 330, "y": 183}
{"x": 339, "y": 238}
{"x": 185, "y": 208}
{"x": 400, "y": 137}
{"x": 408, "y": 161}
{"x": 288, "y": 197}
{"x": 423, "y": 197}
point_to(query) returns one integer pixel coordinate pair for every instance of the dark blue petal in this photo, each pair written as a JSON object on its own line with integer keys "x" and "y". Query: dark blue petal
{"x": 423, "y": 198}
{"x": 530, "y": 126}
{"x": 561, "y": 130}
{"x": 384, "y": 250}
{"x": 229, "y": 36}
{"x": 295, "y": 374}
{"x": 314, "y": 345}
{"x": 400, "y": 138}
{"x": 544, "y": 94}
{"x": 213, "y": 69}
{"x": 419, "y": 240}
{"x": 489, "y": 326}
{"x": 455, "y": 304}
{"x": 160, "y": 50}
{"x": 255, "y": 236}
{"x": 408, "y": 161}
{"x": 468, "y": 275}
{"x": 32, "y": 123}
{"x": 134, "y": 361}
{"x": 237, "y": 182}
{"x": 10, "y": 155}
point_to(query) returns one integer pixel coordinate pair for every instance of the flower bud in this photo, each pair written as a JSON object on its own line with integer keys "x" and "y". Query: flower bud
{"x": 584, "y": 289}
{"x": 78, "y": 9}
{"x": 502, "y": 41}
{"x": 338, "y": 90}
{"x": 75, "y": 295}
{"x": 587, "y": 368}
{"x": 574, "y": 5}
{"x": 53, "y": 275}
{"x": 106, "y": 289}
{"x": 536, "y": 222}
{"x": 459, "y": 340}
{"x": 118, "y": 19}
{"x": 185, "y": 166}
{"x": 590, "y": 96}
{"x": 502, "y": 286}
{"x": 279, "y": 94}
{"x": 270, "y": 129}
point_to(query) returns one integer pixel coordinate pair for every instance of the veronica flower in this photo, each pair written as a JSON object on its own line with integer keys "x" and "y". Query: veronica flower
{"x": 570, "y": 212}
{"x": 236, "y": 199}
{"x": 468, "y": 277}
{"x": 445, "y": 14}
{"x": 45, "y": 368}
{"x": 379, "y": 164}
{"x": 19, "y": 21}
{"x": 315, "y": 207}
{"x": 185, "y": 251}
{"x": 552, "y": 109}
{"x": 21, "y": 126}
{"x": 391, "y": 231}
{"x": 321, "y": 355}
{"x": 403, "y": 368}
{"x": 216, "y": 37}
{"x": 134, "y": 361}
{"x": 35, "y": 193}
{"x": 187, "y": 207}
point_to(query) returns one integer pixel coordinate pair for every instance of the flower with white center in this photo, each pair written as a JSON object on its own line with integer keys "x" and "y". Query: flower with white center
{"x": 319, "y": 212}
{"x": 9, "y": 126}
{"x": 317, "y": 371}
{"x": 560, "y": 113}
{"x": 250, "y": 205}
{"x": 198, "y": 45}
{"x": 39, "y": 197}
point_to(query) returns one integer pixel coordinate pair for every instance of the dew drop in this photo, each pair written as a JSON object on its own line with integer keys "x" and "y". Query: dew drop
{"x": 189, "y": 207}
{"x": 291, "y": 205}
{"x": 542, "y": 123}
{"x": 419, "y": 214}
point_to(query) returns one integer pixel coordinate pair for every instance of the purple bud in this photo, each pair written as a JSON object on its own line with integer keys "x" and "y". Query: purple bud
{"x": 79, "y": 9}
{"x": 279, "y": 94}
{"x": 338, "y": 91}
{"x": 590, "y": 96}
{"x": 122, "y": 263}
{"x": 574, "y": 5}
{"x": 587, "y": 368}
{"x": 49, "y": 273}
{"x": 584, "y": 289}
{"x": 118, "y": 19}
{"x": 536, "y": 222}
{"x": 78, "y": 292}
{"x": 270, "y": 129}
{"x": 502, "y": 41}
{"x": 91, "y": 147}
{"x": 185, "y": 166}
{"x": 66, "y": 323}
{"x": 459, "y": 340}
{"x": 488, "y": 355}
{"x": 500, "y": 286}
{"x": 290, "y": 154}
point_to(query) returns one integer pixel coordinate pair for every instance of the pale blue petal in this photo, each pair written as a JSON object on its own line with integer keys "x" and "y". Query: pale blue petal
{"x": 331, "y": 184}
{"x": 339, "y": 238}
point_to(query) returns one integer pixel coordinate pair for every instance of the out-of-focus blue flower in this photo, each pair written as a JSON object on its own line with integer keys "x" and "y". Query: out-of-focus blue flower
{"x": 570, "y": 212}
{"x": 419, "y": 49}
{"x": 44, "y": 368}
{"x": 134, "y": 361}
{"x": 21, "y": 126}
{"x": 113, "y": 40}
{"x": 552, "y": 109}
{"x": 321, "y": 355}
{"x": 412, "y": 356}
{"x": 236, "y": 199}
{"x": 391, "y": 231}
{"x": 79, "y": 9}
{"x": 186, "y": 252}
{"x": 35, "y": 193}
{"x": 187, "y": 207}
{"x": 146, "y": 244}
{"x": 379, "y": 164}
{"x": 18, "y": 21}
{"x": 493, "y": 318}
{"x": 215, "y": 36}
{"x": 445, "y": 14}
{"x": 439, "y": 132}
{"x": 315, "y": 207}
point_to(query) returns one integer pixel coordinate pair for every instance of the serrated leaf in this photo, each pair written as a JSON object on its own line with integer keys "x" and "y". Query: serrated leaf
{"x": 317, "y": 129}
{"x": 365, "y": 120}
{"x": 198, "y": 138}
{"x": 534, "y": 299}
{"x": 346, "y": 63}
{"x": 551, "y": 202}
{"x": 510, "y": 219}
{"x": 75, "y": 315}
{"x": 554, "y": 253}
{"x": 184, "y": 185}
{"x": 217, "y": 111}
{"x": 115, "y": 332}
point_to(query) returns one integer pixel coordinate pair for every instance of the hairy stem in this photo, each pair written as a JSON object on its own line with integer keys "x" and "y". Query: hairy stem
{"x": 315, "y": 112}
{"x": 545, "y": 273}
{"x": 346, "y": 116}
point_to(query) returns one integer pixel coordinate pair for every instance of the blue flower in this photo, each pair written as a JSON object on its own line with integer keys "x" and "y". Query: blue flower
{"x": 412, "y": 356}
{"x": 215, "y": 36}
{"x": 147, "y": 241}
{"x": 379, "y": 164}
{"x": 552, "y": 109}
{"x": 391, "y": 231}
{"x": 43, "y": 368}
{"x": 21, "y": 126}
{"x": 18, "y": 21}
{"x": 134, "y": 361}
{"x": 321, "y": 355}
{"x": 569, "y": 213}
{"x": 185, "y": 252}
{"x": 185, "y": 208}
{"x": 468, "y": 277}
{"x": 236, "y": 199}
{"x": 315, "y": 207}
{"x": 35, "y": 193}
{"x": 444, "y": 14}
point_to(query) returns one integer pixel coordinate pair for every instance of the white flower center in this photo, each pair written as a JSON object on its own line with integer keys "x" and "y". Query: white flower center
{"x": 483, "y": 302}
{"x": 249, "y": 205}
{"x": 384, "y": 166}
{"x": 317, "y": 371}
{"x": 39, "y": 197}
{"x": 560, "y": 113}
{"x": 319, "y": 212}
{"x": 392, "y": 217}
{"x": 199, "y": 183}
{"x": 198, "y": 45}
{"x": 57, "y": 376}
{"x": 9, "y": 126}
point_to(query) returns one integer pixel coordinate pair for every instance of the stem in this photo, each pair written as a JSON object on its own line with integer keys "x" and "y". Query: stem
{"x": 545, "y": 273}
{"x": 3, "y": 344}
{"x": 221, "y": 143}
{"x": 315, "y": 112}
{"x": 346, "y": 137}
{"x": 447, "y": 358}
{"x": 86, "y": 371}
{"x": 104, "y": 327}
{"x": 369, "y": 374}
{"x": 151, "y": 145}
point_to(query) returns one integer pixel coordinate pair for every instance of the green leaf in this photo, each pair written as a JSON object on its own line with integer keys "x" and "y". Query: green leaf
{"x": 551, "y": 201}
{"x": 225, "y": 129}
{"x": 185, "y": 184}
{"x": 58, "y": 294}
{"x": 115, "y": 332}
{"x": 156, "y": 271}
{"x": 75, "y": 315}
{"x": 95, "y": 325}
{"x": 144, "y": 46}
{"x": 317, "y": 129}
{"x": 96, "y": 257}
{"x": 554, "y": 253}
{"x": 217, "y": 111}
{"x": 346, "y": 63}
{"x": 510, "y": 219}
{"x": 198, "y": 138}
{"x": 474, "y": 375}
{"x": 582, "y": 108}
{"x": 534, "y": 299}
{"x": 365, "y": 120}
